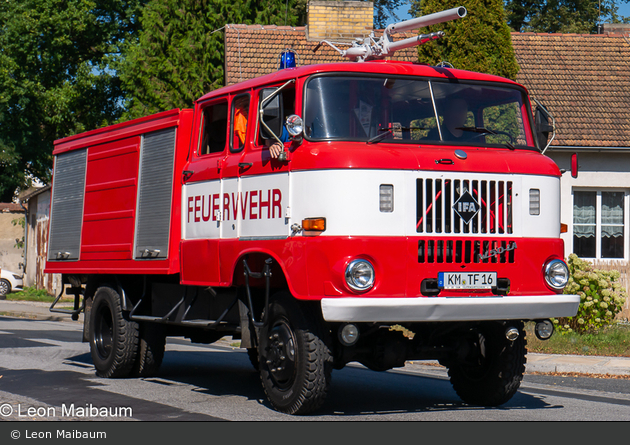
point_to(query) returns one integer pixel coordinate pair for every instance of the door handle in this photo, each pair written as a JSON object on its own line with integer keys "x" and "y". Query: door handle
{"x": 245, "y": 164}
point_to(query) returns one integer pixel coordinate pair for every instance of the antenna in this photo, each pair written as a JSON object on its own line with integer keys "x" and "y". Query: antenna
{"x": 368, "y": 48}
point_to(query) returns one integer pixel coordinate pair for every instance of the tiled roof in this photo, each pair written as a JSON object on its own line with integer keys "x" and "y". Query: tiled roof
{"x": 584, "y": 82}
{"x": 254, "y": 50}
{"x": 6, "y": 207}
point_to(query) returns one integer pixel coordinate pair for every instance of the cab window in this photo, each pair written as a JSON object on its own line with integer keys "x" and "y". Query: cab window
{"x": 238, "y": 126}
{"x": 214, "y": 128}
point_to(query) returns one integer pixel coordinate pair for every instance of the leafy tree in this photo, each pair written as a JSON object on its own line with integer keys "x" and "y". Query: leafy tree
{"x": 480, "y": 41}
{"x": 563, "y": 16}
{"x": 384, "y": 10}
{"x": 54, "y": 78}
{"x": 179, "y": 55}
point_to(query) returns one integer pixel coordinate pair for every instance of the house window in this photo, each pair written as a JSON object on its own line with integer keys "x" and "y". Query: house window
{"x": 599, "y": 229}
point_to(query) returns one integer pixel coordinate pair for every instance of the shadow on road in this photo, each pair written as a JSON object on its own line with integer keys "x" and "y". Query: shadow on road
{"x": 354, "y": 391}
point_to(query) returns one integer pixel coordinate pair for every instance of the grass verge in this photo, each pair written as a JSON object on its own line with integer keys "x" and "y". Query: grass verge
{"x": 32, "y": 294}
{"x": 612, "y": 341}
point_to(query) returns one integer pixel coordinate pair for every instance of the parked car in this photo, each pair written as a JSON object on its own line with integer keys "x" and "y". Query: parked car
{"x": 9, "y": 282}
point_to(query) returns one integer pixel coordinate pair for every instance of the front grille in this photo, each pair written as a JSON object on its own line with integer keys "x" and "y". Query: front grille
{"x": 457, "y": 251}
{"x": 435, "y": 213}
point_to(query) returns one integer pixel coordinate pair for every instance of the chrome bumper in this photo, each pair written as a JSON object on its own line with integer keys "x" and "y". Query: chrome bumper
{"x": 360, "y": 309}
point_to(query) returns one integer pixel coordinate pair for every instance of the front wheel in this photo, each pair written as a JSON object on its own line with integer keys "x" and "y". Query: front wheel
{"x": 295, "y": 362}
{"x": 492, "y": 372}
{"x": 113, "y": 338}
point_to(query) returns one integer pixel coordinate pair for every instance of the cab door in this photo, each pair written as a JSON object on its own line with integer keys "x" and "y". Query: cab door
{"x": 241, "y": 118}
{"x": 264, "y": 181}
{"x": 201, "y": 193}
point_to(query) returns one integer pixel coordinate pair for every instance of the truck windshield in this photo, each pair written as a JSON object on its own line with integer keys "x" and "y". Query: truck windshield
{"x": 403, "y": 110}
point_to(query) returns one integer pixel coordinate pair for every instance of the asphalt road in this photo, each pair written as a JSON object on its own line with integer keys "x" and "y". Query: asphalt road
{"x": 46, "y": 374}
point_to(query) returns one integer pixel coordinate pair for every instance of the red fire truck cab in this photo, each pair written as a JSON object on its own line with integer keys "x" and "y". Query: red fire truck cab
{"x": 411, "y": 215}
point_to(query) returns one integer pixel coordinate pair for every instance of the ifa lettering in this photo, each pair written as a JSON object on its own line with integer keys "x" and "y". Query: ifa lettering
{"x": 249, "y": 205}
{"x": 466, "y": 207}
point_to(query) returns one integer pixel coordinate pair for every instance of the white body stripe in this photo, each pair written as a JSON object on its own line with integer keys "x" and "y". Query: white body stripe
{"x": 257, "y": 206}
{"x": 349, "y": 200}
{"x": 249, "y": 207}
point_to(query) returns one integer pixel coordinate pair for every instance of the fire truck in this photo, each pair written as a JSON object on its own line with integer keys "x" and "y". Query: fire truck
{"x": 410, "y": 215}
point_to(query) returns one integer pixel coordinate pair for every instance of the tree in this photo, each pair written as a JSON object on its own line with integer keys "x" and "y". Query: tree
{"x": 179, "y": 55}
{"x": 384, "y": 10}
{"x": 480, "y": 41}
{"x": 563, "y": 16}
{"x": 55, "y": 78}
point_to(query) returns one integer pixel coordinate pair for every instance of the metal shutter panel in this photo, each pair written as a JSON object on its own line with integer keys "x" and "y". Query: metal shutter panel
{"x": 67, "y": 206}
{"x": 155, "y": 194}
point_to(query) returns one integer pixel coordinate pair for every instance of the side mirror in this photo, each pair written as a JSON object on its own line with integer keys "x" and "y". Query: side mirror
{"x": 270, "y": 112}
{"x": 543, "y": 127}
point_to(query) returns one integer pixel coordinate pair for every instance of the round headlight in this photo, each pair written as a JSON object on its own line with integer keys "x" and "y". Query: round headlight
{"x": 557, "y": 274}
{"x": 360, "y": 275}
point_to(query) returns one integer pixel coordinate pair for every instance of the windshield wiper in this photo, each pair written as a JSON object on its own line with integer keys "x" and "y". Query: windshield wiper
{"x": 380, "y": 137}
{"x": 388, "y": 130}
{"x": 484, "y": 130}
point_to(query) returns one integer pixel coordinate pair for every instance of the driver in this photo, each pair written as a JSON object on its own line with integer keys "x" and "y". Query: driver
{"x": 275, "y": 147}
{"x": 455, "y": 116}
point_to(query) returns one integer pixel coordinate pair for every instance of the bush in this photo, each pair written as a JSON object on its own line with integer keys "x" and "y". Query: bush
{"x": 601, "y": 297}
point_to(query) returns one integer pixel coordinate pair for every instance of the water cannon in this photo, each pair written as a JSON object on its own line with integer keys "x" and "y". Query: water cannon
{"x": 369, "y": 48}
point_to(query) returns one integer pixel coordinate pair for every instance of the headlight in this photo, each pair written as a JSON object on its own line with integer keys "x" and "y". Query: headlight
{"x": 360, "y": 275}
{"x": 557, "y": 274}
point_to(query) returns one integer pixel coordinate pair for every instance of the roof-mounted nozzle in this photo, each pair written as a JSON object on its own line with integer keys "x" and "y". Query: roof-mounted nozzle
{"x": 369, "y": 48}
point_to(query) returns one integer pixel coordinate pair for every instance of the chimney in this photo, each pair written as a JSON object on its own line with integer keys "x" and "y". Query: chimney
{"x": 616, "y": 28}
{"x": 340, "y": 21}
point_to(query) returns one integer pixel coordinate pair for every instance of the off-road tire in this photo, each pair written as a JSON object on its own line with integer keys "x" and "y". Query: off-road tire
{"x": 5, "y": 288}
{"x": 496, "y": 376}
{"x": 150, "y": 350}
{"x": 294, "y": 340}
{"x": 113, "y": 337}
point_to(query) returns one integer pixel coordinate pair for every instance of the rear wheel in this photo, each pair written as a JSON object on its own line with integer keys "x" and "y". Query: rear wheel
{"x": 295, "y": 362}
{"x": 150, "y": 350}
{"x": 493, "y": 370}
{"x": 113, "y": 338}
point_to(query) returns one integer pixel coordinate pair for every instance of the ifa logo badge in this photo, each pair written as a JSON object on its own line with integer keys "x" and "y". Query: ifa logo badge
{"x": 466, "y": 207}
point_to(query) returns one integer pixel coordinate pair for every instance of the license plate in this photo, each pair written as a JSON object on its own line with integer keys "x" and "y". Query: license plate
{"x": 467, "y": 280}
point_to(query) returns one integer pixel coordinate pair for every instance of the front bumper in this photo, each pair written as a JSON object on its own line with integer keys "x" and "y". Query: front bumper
{"x": 353, "y": 309}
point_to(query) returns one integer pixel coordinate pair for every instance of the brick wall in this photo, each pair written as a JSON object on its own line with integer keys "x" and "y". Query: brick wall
{"x": 339, "y": 21}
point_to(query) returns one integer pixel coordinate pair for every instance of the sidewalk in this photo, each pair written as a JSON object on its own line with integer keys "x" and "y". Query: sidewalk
{"x": 542, "y": 363}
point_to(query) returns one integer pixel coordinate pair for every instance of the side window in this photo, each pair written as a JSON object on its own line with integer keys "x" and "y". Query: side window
{"x": 214, "y": 129}
{"x": 238, "y": 127}
{"x": 287, "y": 98}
